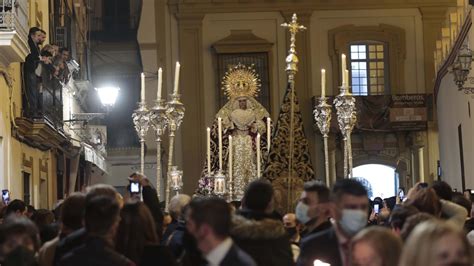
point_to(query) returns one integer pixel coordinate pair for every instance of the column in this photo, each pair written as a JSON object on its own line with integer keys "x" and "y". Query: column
{"x": 192, "y": 144}
{"x": 421, "y": 164}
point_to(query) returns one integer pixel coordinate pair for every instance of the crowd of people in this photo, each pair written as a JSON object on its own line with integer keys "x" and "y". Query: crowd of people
{"x": 45, "y": 67}
{"x": 431, "y": 226}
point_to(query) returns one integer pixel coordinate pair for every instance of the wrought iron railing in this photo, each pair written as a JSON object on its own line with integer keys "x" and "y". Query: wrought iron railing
{"x": 14, "y": 16}
{"x": 52, "y": 103}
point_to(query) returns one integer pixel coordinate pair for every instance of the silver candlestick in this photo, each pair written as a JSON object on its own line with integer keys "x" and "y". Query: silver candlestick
{"x": 322, "y": 115}
{"x": 346, "y": 118}
{"x": 141, "y": 120}
{"x": 175, "y": 114}
{"x": 159, "y": 121}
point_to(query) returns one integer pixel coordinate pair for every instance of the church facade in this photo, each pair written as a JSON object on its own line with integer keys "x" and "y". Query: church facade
{"x": 398, "y": 122}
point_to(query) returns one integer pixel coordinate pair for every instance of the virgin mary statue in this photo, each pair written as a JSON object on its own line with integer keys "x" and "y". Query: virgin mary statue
{"x": 243, "y": 118}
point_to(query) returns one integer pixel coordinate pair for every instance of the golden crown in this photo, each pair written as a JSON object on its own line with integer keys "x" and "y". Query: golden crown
{"x": 241, "y": 81}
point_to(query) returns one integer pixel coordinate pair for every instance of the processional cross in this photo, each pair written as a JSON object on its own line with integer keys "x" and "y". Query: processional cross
{"x": 291, "y": 69}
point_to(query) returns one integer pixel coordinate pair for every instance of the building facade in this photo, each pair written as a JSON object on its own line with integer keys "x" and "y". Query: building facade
{"x": 40, "y": 156}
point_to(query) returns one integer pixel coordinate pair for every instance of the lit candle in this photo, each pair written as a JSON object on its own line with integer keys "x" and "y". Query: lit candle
{"x": 176, "y": 78}
{"x": 230, "y": 159}
{"x": 258, "y": 155}
{"x": 160, "y": 81}
{"x": 209, "y": 151}
{"x": 343, "y": 68}
{"x": 323, "y": 83}
{"x": 219, "y": 126}
{"x": 269, "y": 132}
{"x": 143, "y": 87}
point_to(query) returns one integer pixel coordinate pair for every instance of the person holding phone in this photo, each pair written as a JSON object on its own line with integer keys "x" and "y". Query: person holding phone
{"x": 150, "y": 198}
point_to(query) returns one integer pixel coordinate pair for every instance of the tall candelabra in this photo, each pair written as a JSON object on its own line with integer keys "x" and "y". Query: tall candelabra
{"x": 159, "y": 121}
{"x": 346, "y": 118}
{"x": 161, "y": 117}
{"x": 175, "y": 114}
{"x": 141, "y": 120}
{"x": 322, "y": 115}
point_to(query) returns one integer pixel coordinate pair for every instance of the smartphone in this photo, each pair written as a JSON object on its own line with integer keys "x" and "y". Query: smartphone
{"x": 472, "y": 191}
{"x": 134, "y": 187}
{"x": 6, "y": 196}
{"x": 401, "y": 193}
{"x": 376, "y": 208}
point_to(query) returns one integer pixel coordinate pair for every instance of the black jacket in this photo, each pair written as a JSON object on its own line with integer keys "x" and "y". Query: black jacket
{"x": 237, "y": 257}
{"x": 69, "y": 243}
{"x": 95, "y": 252}
{"x": 157, "y": 255}
{"x": 263, "y": 238}
{"x": 323, "y": 246}
{"x": 324, "y": 226}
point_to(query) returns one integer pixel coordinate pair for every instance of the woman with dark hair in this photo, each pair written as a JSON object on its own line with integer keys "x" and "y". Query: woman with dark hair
{"x": 136, "y": 237}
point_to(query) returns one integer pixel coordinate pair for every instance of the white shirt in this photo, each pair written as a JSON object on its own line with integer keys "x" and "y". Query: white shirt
{"x": 216, "y": 255}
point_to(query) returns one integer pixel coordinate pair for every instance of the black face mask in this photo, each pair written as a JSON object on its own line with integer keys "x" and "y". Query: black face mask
{"x": 291, "y": 231}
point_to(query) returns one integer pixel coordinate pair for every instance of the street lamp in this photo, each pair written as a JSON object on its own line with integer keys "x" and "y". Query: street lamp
{"x": 108, "y": 95}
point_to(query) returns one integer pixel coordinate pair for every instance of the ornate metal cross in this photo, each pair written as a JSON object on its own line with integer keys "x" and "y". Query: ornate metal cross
{"x": 293, "y": 27}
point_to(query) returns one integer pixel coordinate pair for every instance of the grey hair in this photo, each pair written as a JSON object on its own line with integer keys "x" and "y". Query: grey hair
{"x": 176, "y": 205}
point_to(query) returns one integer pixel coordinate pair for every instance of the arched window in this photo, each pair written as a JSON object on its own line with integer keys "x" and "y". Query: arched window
{"x": 369, "y": 68}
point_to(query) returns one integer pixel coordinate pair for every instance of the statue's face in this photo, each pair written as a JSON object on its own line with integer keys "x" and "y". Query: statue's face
{"x": 243, "y": 104}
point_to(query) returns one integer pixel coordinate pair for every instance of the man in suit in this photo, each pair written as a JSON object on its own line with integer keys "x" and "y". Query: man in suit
{"x": 208, "y": 221}
{"x": 350, "y": 213}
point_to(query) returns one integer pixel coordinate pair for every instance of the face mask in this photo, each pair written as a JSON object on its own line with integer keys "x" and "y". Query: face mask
{"x": 291, "y": 231}
{"x": 352, "y": 221}
{"x": 302, "y": 213}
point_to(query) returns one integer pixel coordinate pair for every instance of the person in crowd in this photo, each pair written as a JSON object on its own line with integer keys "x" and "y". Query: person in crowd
{"x": 181, "y": 243}
{"x": 44, "y": 220}
{"x": 412, "y": 221}
{"x": 77, "y": 238}
{"x": 292, "y": 229}
{"x": 399, "y": 215}
{"x": 350, "y": 213}
{"x": 101, "y": 219}
{"x": 19, "y": 241}
{"x": 436, "y": 243}
{"x": 376, "y": 246}
{"x": 426, "y": 200}
{"x": 42, "y": 38}
{"x": 150, "y": 198}
{"x": 16, "y": 207}
{"x": 175, "y": 208}
{"x": 312, "y": 209}
{"x": 256, "y": 230}
{"x": 443, "y": 190}
{"x": 137, "y": 239}
{"x": 209, "y": 221}
{"x": 65, "y": 54}
{"x": 460, "y": 200}
{"x": 71, "y": 219}
{"x": 30, "y": 211}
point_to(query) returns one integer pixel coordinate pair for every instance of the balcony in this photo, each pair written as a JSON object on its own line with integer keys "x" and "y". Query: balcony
{"x": 13, "y": 31}
{"x": 43, "y": 128}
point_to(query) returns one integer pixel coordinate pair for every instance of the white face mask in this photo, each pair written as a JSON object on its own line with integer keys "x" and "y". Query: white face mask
{"x": 301, "y": 213}
{"x": 352, "y": 221}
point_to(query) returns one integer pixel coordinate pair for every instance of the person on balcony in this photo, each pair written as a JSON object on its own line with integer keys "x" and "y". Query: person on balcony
{"x": 31, "y": 91}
